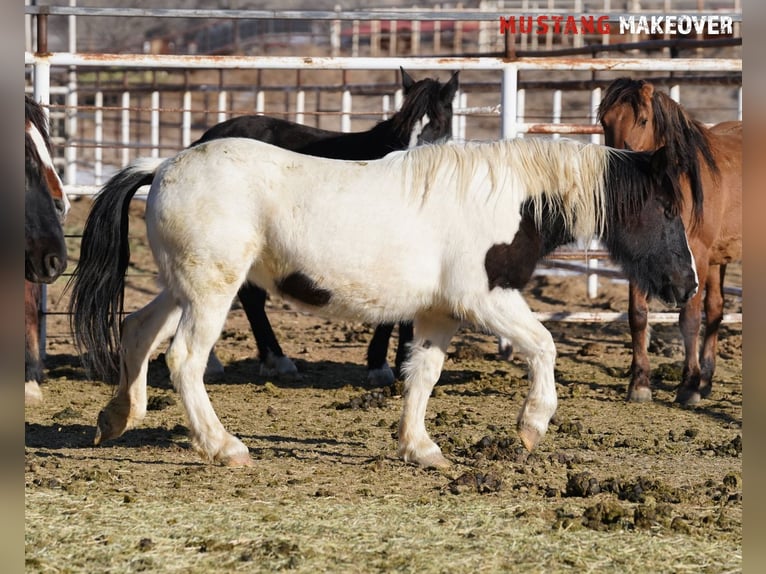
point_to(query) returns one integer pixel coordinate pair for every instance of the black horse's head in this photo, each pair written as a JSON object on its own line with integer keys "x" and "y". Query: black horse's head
{"x": 45, "y": 256}
{"x": 426, "y": 113}
{"x": 645, "y": 233}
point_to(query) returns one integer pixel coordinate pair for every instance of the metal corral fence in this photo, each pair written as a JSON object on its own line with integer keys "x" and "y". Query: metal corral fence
{"x": 504, "y": 73}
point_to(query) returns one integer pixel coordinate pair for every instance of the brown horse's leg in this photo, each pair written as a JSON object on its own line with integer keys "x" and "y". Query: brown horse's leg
{"x": 639, "y": 389}
{"x": 713, "y": 318}
{"x": 33, "y": 368}
{"x": 690, "y": 321}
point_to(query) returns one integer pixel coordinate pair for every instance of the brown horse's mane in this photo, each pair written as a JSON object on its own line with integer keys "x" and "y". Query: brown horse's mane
{"x": 683, "y": 137}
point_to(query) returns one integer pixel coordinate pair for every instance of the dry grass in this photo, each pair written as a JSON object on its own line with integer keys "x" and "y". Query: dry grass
{"x": 335, "y": 534}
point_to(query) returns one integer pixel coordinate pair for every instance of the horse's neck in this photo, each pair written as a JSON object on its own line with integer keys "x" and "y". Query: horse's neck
{"x": 372, "y": 144}
{"x": 385, "y": 133}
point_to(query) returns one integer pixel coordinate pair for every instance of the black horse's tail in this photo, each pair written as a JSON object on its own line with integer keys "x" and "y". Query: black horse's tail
{"x": 98, "y": 281}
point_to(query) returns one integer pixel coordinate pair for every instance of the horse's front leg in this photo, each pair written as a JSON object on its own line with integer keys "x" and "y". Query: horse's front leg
{"x": 507, "y": 315}
{"x": 142, "y": 332}
{"x": 421, "y": 370}
{"x": 640, "y": 387}
{"x": 33, "y": 365}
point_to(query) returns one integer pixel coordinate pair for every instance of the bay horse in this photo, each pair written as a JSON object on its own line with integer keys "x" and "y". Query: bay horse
{"x": 709, "y": 162}
{"x": 45, "y": 256}
{"x": 425, "y": 116}
{"x": 436, "y": 234}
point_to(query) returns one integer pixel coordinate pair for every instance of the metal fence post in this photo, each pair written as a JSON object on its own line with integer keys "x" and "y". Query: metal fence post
{"x": 508, "y": 101}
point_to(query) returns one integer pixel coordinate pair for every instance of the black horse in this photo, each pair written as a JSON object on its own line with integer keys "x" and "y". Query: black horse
{"x": 45, "y": 256}
{"x": 425, "y": 117}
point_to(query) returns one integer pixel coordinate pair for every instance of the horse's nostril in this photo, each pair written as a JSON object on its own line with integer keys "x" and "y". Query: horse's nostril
{"x": 53, "y": 265}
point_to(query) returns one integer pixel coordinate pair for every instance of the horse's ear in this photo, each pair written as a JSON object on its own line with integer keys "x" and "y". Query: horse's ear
{"x": 407, "y": 81}
{"x": 449, "y": 89}
{"x": 647, "y": 91}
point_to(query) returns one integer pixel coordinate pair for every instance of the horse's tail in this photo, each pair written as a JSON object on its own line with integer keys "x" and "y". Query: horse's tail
{"x": 98, "y": 281}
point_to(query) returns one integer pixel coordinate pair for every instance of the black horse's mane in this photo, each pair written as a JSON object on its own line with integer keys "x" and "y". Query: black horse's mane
{"x": 683, "y": 137}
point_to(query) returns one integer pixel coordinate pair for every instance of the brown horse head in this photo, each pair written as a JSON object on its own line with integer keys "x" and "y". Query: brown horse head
{"x": 637, "y": 117}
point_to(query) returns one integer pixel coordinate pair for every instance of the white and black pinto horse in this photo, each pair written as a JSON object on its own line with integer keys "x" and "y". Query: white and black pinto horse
{"x": 45, "y": 256}
{"x": 438, "y": 234}
{"x": 425, "y": 116}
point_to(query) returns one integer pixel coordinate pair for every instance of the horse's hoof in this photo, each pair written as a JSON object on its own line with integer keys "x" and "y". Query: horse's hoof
{"x": 688, "y": 397}
{"x": 530, "y": 437}
{"x": 431, "y": 460}
{"x": 33, "y": 394}
{"x": 504, "y": 349}
{"x": 238, "y": 461}
{"x": 382, "y": 377}
{"x": 425, "y": 457}
{"x": 281, "y": 367}
{"x": 106, "y": 429}
{"x": 214, "y": 367}
{"x": 640, "y": 395}
{"x": 435, "y": 460}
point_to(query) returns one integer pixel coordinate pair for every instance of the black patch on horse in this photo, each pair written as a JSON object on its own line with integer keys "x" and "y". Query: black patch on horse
{"x": 302, "y": 288}
{"x": 510, "y": 265}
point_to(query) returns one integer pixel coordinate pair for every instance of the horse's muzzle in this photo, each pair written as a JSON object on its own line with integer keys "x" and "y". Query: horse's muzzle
{"x": 674, "y": 295}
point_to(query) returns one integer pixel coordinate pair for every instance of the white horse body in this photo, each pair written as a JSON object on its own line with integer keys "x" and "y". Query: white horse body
{"x": 382, "y": 261}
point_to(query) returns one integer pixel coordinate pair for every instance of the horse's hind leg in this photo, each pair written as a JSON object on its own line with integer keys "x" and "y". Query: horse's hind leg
{"x": 202, "y": 319}
{"x": 421, "y": 371}
{"x": 273, "y": 359}
{"x": 379, "y": 373}
{"x": 713, "y": 316}
{"x": 507, "y": 315}
{"x": 142, "y": 332}
{"x": 406, "y": 335}
{"x": 689, "y": 322}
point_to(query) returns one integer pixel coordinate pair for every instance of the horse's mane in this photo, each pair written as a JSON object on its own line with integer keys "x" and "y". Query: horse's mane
{"x": 34, "y": 114}
{"x": 683, "y": 137}
{"x": 566, "y": 176}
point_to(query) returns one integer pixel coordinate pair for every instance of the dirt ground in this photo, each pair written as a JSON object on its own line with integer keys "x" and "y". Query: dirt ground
{"x": 614, "y": 486}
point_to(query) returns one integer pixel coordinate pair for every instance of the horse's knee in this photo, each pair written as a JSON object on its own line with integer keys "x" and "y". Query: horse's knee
{"x": 425, "y": 362}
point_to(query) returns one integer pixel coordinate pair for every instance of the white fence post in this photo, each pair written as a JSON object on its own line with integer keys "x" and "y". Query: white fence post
{"x": 300, "y": 106}
{"x": 556, "y": 111}
{"x": 186, "y": 120}
{"x": 508, "y": 102}
{"x": 98, "y": 136}
{"x": 125, "y": 128}
{"x": 260, "y": 102}
{"x": 222, "y": 97}
{"x": 345, "y": 116}
{"x": 521, "y": 102}
{"x": 155, "y": 124}
{"x": 595, "y": 100}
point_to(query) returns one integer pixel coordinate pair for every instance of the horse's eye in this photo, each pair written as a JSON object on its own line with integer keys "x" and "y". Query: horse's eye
{"x": 642, "y": 122}
{"x": 60, "y": 207}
